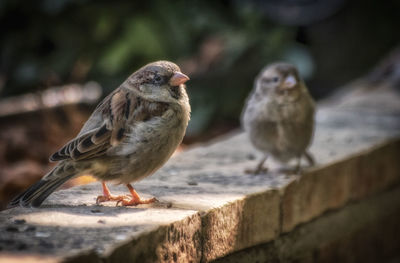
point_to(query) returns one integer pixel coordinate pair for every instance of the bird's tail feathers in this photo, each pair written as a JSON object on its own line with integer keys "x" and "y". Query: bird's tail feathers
{"x": 37, "y": 193}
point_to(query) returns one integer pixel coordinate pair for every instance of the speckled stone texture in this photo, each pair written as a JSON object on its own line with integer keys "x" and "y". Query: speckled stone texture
{"x": 209, "y": 208}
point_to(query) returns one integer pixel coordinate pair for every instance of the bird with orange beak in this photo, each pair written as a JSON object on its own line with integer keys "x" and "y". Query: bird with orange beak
{"x": 129, "y": 136}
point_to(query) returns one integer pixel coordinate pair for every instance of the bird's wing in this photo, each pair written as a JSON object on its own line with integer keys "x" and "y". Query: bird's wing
{"x": 106, "y": 128}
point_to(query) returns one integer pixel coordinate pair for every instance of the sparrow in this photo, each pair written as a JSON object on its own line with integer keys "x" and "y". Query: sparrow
{"x": 128, "y": 137}
{"x": 279, "y": 116}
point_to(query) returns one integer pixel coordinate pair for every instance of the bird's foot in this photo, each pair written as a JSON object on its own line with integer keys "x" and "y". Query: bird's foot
{"x": 134, "y": 199}
{"x": 131, "y": 201}
{"x": 125, "y": 200}
{"x": 106, "y": 198}
{"x": 257, "y": 171}
{"x": 260, "y": 168}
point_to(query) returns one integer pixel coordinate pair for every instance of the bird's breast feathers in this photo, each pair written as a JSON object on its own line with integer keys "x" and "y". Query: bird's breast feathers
{"x": 159, "y": 132}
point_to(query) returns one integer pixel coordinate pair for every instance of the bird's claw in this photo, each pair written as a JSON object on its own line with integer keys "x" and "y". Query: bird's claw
{"x": 135, "y": 202}
{"x": 104, "y": 198}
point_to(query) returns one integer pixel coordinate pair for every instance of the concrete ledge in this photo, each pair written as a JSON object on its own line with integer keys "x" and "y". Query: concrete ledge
{"x": 240, "y": 224}
{"x": 336, "y": 184}
{"x": 209, "y": 208}
{"x": 338, "y": 236}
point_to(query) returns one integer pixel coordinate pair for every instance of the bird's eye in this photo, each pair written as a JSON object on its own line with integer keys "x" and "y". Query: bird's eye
{"x": 157, "y": 78}
{"x": 275, "y": 79}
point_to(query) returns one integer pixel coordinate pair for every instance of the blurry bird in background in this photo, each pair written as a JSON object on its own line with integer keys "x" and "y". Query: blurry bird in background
{"x": 129, "y": 136}
{"x": 279, "y": 116}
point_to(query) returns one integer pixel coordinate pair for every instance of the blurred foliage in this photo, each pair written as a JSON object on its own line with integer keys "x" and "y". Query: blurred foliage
{"x": 221, "y": 44}
{"x": 49, "y": 42}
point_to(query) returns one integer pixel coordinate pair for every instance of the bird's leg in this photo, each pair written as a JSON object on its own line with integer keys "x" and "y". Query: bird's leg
{"x": 259, "y": 168}
{"x": 310, "y": 158}
{"x": 298, "y": 165}
{"x": 135, "y": 200}
{"x": 107, "y": 196}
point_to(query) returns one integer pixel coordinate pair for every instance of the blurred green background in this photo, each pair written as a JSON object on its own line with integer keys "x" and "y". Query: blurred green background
{"x": 221, "y": 45}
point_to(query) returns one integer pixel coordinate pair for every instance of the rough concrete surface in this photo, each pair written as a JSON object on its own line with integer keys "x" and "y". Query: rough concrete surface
{"x": 345, "y": 235}
{"x": 208, "y": 206}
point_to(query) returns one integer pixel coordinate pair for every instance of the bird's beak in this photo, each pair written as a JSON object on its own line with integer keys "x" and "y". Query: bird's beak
{"x": 290, "y": 82}
{"x": 178, "y": 78}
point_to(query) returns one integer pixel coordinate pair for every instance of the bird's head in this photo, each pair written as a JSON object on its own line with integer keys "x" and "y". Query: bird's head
{"x": 161, "y": 81}
{"x": 280, "y": 81}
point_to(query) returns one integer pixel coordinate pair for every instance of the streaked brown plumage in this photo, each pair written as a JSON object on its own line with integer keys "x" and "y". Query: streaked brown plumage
{"x": 130, "y": 135}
